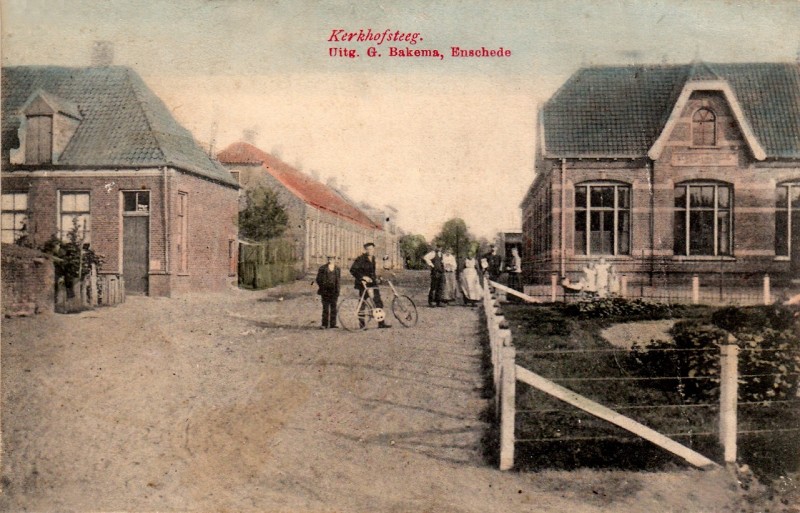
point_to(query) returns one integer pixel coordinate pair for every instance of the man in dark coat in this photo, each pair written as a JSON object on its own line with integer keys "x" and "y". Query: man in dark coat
{"x": 491, "y": 263}
{"x": 435, "y": 262}
{"x": 328, "y": 281}
{"x": 363, "y": 270}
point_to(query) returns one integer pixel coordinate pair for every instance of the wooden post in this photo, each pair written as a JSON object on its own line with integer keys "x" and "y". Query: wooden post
{"x": 729, "y": 363}
{"x": 623, "y": 286}
{"x": 508, "y": 408}
{"x": 553, "y": 287}
{"x": 767, "y": 295}
{"x": 93, "y": 286}
{"x": 695, "y": 289}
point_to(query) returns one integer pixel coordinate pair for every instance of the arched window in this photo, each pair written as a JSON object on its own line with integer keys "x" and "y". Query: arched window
{"x": 704, "y": 128}
{"x": 703, "y": 219}
{"x": 602, "y": 219}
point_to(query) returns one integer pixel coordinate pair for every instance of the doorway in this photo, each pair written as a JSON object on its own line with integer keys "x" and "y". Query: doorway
{"x": 136, "y": 241}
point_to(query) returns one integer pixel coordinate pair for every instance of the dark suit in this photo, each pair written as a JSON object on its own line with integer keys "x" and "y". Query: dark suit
{"x": 328, "y": 283}
{"x": 363, "y": 267}
{"x": 437, "y": 280}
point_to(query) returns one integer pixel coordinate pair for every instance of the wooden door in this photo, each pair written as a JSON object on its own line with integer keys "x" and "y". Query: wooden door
{"x": 135, "y": 258}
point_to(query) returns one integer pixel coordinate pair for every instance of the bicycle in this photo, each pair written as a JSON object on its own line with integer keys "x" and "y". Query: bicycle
{"x": 357, "y": 313}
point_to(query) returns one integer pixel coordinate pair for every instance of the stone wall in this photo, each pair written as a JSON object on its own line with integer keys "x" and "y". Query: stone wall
{"x": 28, "y": 281}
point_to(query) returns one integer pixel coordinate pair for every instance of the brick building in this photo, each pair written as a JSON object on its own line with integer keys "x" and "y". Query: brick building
{"x": 94, "y": 147}
{"x": 321, "y": 221}
{"x": 667, "y": 171}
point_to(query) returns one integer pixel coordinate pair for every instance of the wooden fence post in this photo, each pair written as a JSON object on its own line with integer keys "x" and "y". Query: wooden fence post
{"x": 767, "y": 294}
{"x": 728, "y": 395}
{"x": 93, "y": 286}
{"x": 695, "y": 289}
{"x": 508, "y": 407}
{"x": 623, "y": 286}
{"x": 553, "y": 287}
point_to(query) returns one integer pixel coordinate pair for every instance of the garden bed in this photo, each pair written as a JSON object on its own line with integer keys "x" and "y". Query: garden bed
{"x": 565, "y": 343}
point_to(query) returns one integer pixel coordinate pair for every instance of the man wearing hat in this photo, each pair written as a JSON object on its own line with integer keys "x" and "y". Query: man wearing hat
{"x": 435, "y": 262}
{"x": 328, "y": 282}
{"x": 363, "y": 270}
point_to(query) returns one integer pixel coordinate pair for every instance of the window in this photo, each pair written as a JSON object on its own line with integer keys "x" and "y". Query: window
{"x": 704, "y": 128}
{"x": 787, "y": 215}
{"x": 39, "y": 140}
{"x": 15, "y": 216}
{"x": 602, "y": 219}
{"x": 136, "y": 202}
{"x": 703, "y": 219}
{"x": 74, "y": 213}
{"x": 182, "y": 238}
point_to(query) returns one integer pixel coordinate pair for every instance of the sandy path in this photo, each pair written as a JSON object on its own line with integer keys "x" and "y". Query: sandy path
{"x": 236, "y": 402}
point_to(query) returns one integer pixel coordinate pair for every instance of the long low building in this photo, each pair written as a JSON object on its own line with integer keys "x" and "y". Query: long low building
{"x": 321, "y": 221}
{"x": 668, "y": 171}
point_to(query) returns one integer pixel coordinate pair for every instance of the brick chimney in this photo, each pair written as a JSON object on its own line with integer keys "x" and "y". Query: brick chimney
{"x": 102, "y": 53}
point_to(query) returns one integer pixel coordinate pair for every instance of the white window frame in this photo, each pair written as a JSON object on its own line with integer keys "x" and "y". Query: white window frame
{"x": 18, "y": 214}
{"x": 788, "y": 209}
{"x": 588, "y": 222}
{"x": 64, "y": 230}
{"x": 687, "y": 209}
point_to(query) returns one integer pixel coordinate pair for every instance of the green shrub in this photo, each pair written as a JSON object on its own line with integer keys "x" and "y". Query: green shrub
{"x": 769, "y": 339}
{"x": 620, "y": 308}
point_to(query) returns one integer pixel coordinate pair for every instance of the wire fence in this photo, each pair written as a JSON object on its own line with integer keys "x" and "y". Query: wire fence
{"x": 691, "y": 407}
{"x": 692, "y": 290}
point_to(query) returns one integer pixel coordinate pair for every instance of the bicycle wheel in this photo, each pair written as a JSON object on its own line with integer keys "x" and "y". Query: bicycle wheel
{"x": 405, "y": 311}
{"x": 351, "y": 317}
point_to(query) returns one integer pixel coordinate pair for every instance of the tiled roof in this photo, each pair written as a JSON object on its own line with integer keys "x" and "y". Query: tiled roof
{"x": 621, "y": 111}
{"x": 124, "y": 124}
{"x": 301, "y": 185}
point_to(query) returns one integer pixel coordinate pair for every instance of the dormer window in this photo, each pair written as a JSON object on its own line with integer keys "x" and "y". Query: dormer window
{"x": 47, "y": 124}
{"x": 39, "y": 140}
{"x": 704, "y": 128}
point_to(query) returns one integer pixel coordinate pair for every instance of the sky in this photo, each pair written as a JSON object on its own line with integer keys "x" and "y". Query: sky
{"x": 435, "y": 138}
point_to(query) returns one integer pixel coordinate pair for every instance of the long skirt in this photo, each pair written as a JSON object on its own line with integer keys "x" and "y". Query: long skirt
{"x": 450, "y": 286}
{"x": 471, "y": 285}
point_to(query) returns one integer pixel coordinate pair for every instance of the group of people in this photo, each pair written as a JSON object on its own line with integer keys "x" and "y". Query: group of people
{"x": 449, "y": 276}
{"x": 328, "y": 280}
{"x": 598, "y": 279}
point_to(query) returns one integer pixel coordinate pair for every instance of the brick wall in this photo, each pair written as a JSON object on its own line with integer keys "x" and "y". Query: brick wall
{"x": 213, "y": 214}
{"x": 28, "y": 285}
{"x": 653, "y": 183}
{"x": 213, "y": 219}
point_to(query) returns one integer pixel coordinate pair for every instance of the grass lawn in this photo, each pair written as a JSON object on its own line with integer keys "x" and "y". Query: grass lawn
{"x": 552, "y": 434}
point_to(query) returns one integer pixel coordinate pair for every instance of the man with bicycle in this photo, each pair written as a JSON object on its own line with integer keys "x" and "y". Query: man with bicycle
{"x": 364, "y": 272}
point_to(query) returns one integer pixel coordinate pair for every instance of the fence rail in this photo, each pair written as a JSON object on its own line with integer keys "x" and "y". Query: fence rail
{"x": 693, "y": 291}
{"x": 507, "y": 371}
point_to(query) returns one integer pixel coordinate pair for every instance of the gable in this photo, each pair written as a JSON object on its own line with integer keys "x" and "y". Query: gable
{"x": 711, "y": 96}
{"x": 623, "y": 111}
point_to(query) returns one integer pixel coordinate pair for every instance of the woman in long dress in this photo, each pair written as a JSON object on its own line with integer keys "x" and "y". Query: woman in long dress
{"x": 470, "y": 282}
{"x": 450, "y": 285}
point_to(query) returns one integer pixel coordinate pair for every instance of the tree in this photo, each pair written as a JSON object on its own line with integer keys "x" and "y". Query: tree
{"x": 413, "y": 248}
{"x": 263, "y": 217}
{"x": 456, "y": 237}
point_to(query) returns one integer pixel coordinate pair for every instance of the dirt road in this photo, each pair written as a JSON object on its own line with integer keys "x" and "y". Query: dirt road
{"x": 237, "y": 402}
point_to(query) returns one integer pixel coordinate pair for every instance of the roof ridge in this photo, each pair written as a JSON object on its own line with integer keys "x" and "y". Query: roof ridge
{"x": 140, "y": 102}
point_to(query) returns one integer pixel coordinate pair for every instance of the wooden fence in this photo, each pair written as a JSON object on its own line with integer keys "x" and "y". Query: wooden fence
{"x": 506, "y": 373}
{"x": 693, "y": 291}
{"x": 92, "y": 291}
{"x": 266, "y": 265}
